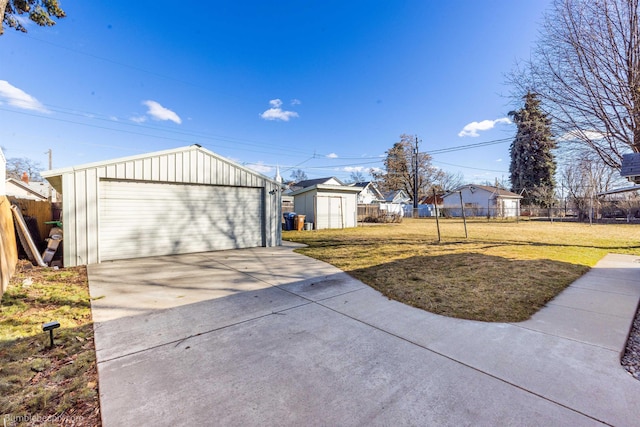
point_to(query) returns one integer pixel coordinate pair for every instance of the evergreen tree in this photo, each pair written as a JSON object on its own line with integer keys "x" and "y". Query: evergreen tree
{"x": 533, "y": 164}
{"x": 42, "y": 12}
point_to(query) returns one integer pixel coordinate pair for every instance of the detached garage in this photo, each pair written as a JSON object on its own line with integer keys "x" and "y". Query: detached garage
{"x": 169, "y": 202}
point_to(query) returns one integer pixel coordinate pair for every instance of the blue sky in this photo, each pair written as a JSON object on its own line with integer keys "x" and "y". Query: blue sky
{"x": 323, "y": 86}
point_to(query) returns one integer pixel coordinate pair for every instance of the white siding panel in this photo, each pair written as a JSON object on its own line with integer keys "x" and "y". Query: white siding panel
{"x": 140, "y": 219}
{"x": 81, "y": 219}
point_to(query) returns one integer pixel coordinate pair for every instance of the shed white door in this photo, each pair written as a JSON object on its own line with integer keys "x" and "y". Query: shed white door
{"x": 330, "y": 212}
{"x": 139, "y": 219}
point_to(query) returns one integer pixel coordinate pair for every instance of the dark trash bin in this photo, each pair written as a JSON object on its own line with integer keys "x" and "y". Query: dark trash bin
{"x": 289, "y": 220}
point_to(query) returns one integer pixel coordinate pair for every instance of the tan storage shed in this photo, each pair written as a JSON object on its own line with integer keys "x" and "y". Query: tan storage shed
{"x": 176, "y": 201}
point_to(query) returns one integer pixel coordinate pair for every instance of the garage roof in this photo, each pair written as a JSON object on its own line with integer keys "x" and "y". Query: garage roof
{"x": 54, "y": 176}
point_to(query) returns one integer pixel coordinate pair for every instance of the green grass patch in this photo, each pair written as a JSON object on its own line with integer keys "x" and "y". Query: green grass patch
{"x": 504, "y": 272}
{"x": 58, "y": 384}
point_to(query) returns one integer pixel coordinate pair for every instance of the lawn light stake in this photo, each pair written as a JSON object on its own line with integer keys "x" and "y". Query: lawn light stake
{"x": 50, "y": 326}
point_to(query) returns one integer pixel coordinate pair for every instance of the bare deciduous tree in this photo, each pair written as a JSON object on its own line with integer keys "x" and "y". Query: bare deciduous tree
{"x": 357, "y": 176}
{"x": 583, "y": 177}
{"x": 630, "y": 203}
{"x": 585, "y": 68}
{"x": 447, "y": 181}
{"x": 298, "y": 175}
{"x": 400, "y": 169}
{"x": 16, "y": 166}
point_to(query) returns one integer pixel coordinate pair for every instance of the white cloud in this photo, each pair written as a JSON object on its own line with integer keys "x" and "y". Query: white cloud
{"x": 139, "y": 119}
{"x": 19, "y": 98}
{"x": 498, "y": 160}
{"x": 355, "y": 169}
{"x": 277, "y": 113}
{"x": 158, "y": 112}
{"x": 260, "y": 167}
{"x": 472, "y": 128}
{"x": 581, "y": 135}
{"x": 332, "y": 156}
{"x": 295, "y": 101}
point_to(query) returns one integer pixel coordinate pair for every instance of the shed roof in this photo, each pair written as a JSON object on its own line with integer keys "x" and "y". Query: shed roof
{"x": 328, "y": 188}
{"x": 312, "y": 182}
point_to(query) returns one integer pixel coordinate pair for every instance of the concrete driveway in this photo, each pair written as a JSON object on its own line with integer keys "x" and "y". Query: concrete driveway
{"x": 265, "y": 336}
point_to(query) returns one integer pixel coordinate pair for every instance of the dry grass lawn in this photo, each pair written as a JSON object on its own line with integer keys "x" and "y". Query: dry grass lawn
{"x": 41, "y": 385}
{"x": 504, "y": 272}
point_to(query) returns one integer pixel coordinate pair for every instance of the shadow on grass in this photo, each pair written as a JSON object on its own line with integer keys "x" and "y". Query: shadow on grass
{"x": 472, "y": 285}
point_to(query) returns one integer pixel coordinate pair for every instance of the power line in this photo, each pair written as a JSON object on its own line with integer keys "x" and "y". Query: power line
{"x": 469, "y": 167}
{"x": 186, "y": 134}
{"x": 469, "y": 146}
{"x": 445, "y": 150}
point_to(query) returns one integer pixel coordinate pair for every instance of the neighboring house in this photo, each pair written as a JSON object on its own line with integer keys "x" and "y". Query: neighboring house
{"x": 177, "y": 201}
{"x": 21, "y": 189}
{"x": 398, "y": 196}
{"x": 327, "y": 205}
{"x": 429, "y": 200}
{"x": 369, "y": 193}
{"x": 482, "y": 200}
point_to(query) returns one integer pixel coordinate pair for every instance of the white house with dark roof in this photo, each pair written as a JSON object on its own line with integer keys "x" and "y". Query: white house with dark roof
{"x": 398, "y": 197}
{"x": 369, "y": 193}
{"x": 482, "y": 200}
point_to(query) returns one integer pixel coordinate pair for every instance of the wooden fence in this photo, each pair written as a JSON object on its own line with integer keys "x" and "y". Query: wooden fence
{"x": 41, "y": 211}
{"x": 8, "y": 247}
{"x": 368, "y": 211}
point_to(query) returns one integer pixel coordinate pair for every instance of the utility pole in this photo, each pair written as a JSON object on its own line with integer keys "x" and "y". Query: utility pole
{"x": 50, "y": 152}
{"x": 415, "y": 181}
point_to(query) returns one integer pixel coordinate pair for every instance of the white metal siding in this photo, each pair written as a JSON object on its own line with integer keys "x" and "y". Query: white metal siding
{"x": 140, "y": 219}
{"x": 328, "y": 209}
{"x": 181, "y": 167}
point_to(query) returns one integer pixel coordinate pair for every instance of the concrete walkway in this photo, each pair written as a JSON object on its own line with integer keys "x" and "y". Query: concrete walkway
{"x": 268, "y": 337}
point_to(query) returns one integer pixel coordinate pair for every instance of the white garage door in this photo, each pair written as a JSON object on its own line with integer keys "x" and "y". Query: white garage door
{"x": 139, "y": 219}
